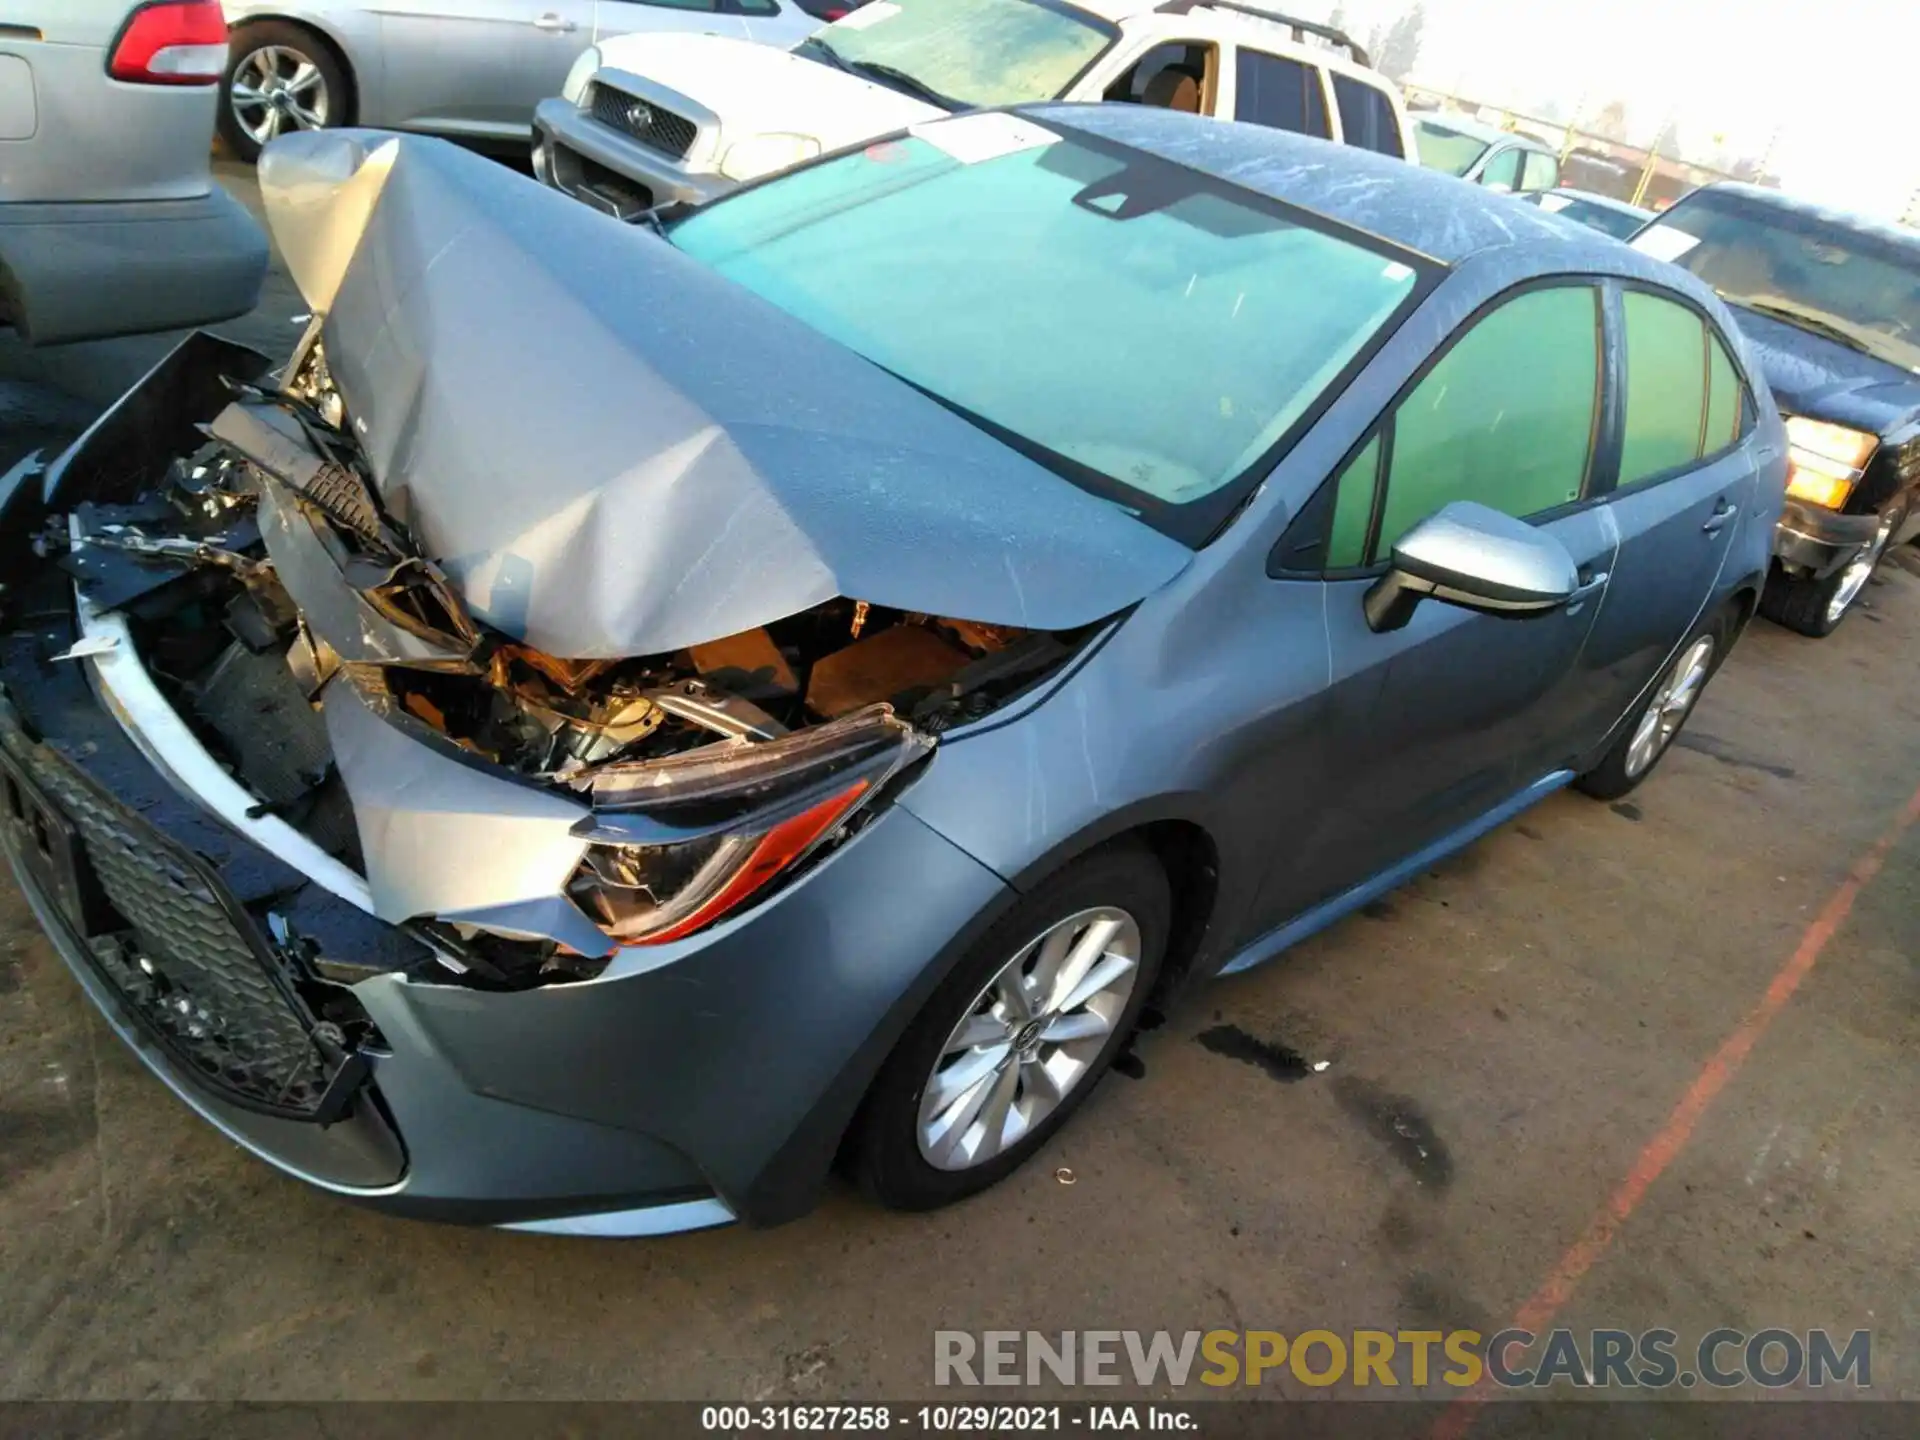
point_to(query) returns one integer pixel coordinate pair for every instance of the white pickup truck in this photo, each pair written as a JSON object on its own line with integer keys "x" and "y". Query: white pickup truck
{"x": 656, "y": 119}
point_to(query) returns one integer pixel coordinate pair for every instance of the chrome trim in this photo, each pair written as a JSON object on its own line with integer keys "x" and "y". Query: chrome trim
{"x": 671, "y": 1219}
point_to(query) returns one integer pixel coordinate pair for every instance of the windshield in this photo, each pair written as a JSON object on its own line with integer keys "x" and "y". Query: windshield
{"x": 1448, "y": 150}
{"x": 1851, "y": 287}
{"x": 970, "y": 53}
{"x": 1146, "y": 331}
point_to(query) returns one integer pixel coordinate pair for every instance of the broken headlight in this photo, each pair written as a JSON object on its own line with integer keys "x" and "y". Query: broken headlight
{"x": 675, "y": 844}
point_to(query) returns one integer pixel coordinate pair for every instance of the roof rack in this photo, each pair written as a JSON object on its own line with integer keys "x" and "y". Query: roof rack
{"x": 1301, "y": 28}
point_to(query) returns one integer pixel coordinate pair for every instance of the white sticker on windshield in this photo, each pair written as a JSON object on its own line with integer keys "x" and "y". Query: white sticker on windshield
{"x": 867, "y": 15}
{"x": 1395, "y": 272}
{"x": 973, "y": 138}
{"x": 1554, "y": 204}
{"x": 1664, "y": 242}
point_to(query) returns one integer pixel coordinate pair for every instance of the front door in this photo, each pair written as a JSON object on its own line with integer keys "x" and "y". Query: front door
{"x": 1431, "y": 726}
{"x": 477, "y": 67}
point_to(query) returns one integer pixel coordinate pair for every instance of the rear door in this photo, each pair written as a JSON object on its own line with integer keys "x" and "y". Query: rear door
{"x": 1263, "y": 88}
{"x": 731, "y": 18}
{"x": 782, "y": 22}
{"x": 1436, "y": 724}
{"x": 1685, "y": 469}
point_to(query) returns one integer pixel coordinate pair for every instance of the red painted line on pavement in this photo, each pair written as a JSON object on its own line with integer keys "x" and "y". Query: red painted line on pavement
{"x": 1672, "y": 1137}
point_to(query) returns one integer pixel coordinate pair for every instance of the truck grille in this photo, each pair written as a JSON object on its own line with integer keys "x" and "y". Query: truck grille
{"x": 187, "y": 963}
{"x": 644, "y": 121}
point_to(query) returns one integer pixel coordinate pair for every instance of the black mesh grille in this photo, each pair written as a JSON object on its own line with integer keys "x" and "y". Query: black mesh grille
{"x": 646, "y": 122}
{"x": 184, "y": 965}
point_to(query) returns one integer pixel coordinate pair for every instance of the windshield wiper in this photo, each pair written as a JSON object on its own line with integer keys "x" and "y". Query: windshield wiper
{"x": 820, "y": 49}
{"x": 888, "y": 75}
{"x": 900, "y": 80}
{"x": 1799, "y": 318}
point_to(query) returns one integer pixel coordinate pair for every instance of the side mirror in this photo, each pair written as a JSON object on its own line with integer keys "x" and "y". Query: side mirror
{"x": 1473, "y": 556}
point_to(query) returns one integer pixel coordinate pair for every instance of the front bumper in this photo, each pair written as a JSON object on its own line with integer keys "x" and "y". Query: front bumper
{"x": 686, "y": 1085}
{"x": 86, "y": 271}
{"x": 1818, "y": 541}
{"x": 601, "y": 167}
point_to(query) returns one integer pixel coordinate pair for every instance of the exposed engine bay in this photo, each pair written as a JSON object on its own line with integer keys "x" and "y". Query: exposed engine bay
{"x": 277, "y": 601}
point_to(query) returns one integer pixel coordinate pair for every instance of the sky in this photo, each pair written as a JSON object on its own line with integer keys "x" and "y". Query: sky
{"x": 1829, "y": 85}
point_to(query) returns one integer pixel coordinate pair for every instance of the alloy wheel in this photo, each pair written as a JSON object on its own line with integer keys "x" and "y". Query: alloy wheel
{"x": 1030, "y": 1037}
{"x": 1854, "y": 578}
{"x": 276, "y": 89}
{"x": 1679, "y": 688}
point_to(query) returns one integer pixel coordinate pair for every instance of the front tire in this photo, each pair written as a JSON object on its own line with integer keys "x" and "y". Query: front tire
{"x": 1816, "y": 607}
{"x": 280, "y": 77}
{"x": 1016, "y": 1038}
{"x": 1645, "y": 739}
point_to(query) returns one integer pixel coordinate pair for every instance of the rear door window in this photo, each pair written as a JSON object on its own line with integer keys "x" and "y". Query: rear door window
{"x": 1366, "y": 117}
{"x": 1684, "y": 396}
{"x": 1726, "y": 400}
{"x": 1284, "y": 94}
{"x": 1666, "y": 387}
{"x": 1506, "y": 417}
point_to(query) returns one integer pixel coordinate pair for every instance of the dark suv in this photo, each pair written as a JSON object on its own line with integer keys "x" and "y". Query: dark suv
{"x": 1830, "y": 303}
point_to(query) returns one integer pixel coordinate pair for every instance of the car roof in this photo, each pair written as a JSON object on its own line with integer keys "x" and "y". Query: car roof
{"x": 1605, "y": 202}
{"x": 1479, "y": 129}
{"x": 1203, "y": 19}
{"x": 1409, "y": 205}
{"x": 1906, "y": 239}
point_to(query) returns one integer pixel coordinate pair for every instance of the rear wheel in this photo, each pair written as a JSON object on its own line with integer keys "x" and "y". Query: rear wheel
{"x": 1816, "y": 607}
{"x": 280, "y": 78}
{"x": 1650, "y": 733}
{"x": 1017, "y": 1036}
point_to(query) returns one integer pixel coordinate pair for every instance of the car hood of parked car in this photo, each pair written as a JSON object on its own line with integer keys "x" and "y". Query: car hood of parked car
{"x": 613, "y": 451}
{"x": 758, "y": 89}
{"x": 1817, "y": 377}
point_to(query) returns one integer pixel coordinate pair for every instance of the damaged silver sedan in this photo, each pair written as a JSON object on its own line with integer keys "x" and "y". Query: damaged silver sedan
{"x": 625, "y": 716}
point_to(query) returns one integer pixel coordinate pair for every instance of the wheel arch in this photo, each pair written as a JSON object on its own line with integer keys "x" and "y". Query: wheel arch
{"x": 1172, "y": 829}
{"x": 323, "y": 31}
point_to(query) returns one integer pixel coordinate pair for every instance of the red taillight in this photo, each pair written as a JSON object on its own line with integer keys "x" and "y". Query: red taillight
{"x": 833, "y": 13}
{"x": 172, "y": 42}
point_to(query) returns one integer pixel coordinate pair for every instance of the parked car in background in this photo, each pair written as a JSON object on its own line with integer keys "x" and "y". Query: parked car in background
{"x": 1598, "y": 212}
{"x": 1830, "y": 305}
{"x": 649, "y": 120}
{"x": 520, "y": 864}
{"x": 472, "y": 68}
{"x": 110, "y": 223}
{"x": 1486, "y": 154}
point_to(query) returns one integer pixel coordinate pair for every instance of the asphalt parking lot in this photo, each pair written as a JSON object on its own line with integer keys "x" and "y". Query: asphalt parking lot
{"x": 1648, "y": 1064}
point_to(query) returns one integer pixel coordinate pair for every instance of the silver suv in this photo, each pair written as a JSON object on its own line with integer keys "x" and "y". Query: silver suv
{"x": 110, "y": 223}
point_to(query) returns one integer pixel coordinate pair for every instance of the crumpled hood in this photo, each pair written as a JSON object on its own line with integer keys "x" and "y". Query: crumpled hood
{"x": 758, "y": 89}
{"x": 613, "y": 451}
{"x": 1814, "y": 377}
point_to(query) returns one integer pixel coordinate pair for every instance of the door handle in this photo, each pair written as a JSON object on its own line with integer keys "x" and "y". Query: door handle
{"x": 555, "y": 24}
{"x": 1722, "y": 513}
{"x": 1589, "y": 586}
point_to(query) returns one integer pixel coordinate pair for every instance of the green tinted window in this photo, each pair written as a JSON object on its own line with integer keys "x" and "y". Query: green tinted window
{"x": 1505, "y": 418}
{"x": 1723, "y": 398}
{"x": 1666, "y": 387}
{"x": 1353, "y": 508}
